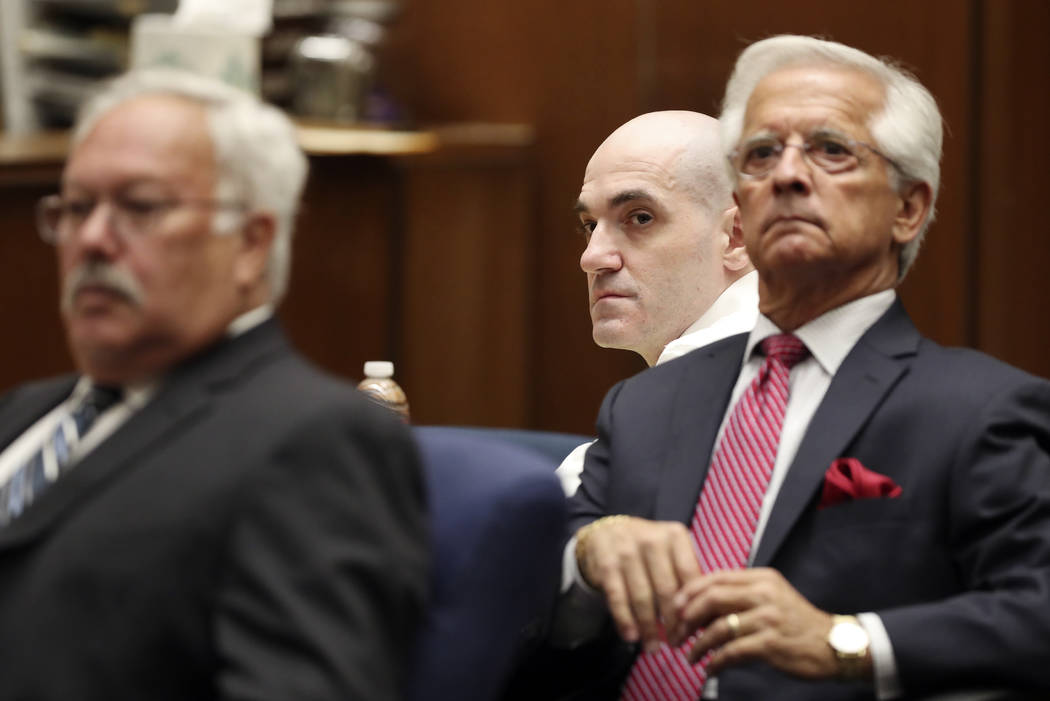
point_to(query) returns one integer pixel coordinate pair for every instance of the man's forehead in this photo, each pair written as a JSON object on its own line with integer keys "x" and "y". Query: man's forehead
{"x": 811, "y": 96}
{"x": 166, "y": 114}
{"x": 635, "y": 150}
{"x": 150, "y": 137}
{"x": 611, "y": 172}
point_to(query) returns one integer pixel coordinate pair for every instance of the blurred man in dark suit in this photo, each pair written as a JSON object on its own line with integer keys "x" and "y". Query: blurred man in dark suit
{"x": 832, "y": 506}
{"x": 198, "y": 513}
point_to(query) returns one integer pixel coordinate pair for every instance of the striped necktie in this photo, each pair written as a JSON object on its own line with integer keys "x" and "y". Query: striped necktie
{"x": 32, "y": 479}
{"x": 726, "y": 515}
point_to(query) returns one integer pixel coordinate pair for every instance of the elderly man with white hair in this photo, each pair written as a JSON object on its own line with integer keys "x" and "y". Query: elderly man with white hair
{"x": 830, "y": 506}
{"x": 197, "y": 513}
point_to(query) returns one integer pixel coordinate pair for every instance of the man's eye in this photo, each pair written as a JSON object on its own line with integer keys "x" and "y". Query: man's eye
{"x": 79, "y": 209}
{"x": 640, "y": 218}
{"x": 831, "y": 148}
{"x": 139, "y": 208}
{"x": 760, "y": 153}
{"x": 587, "y": 228}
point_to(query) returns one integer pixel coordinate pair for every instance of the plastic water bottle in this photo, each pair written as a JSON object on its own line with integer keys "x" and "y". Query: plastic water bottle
{"x": 380, "y": 387}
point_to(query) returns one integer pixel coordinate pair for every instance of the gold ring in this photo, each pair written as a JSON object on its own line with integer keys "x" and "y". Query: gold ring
{"x": 733, "y": 621}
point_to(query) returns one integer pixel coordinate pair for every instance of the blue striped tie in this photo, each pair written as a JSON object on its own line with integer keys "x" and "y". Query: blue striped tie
{"x": 32, "y": 479}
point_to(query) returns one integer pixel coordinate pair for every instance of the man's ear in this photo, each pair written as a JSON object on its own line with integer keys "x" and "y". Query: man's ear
{"x": 916, "y": 200}
{"x": 734, "y": 255}
{"x": 255, "y": 236}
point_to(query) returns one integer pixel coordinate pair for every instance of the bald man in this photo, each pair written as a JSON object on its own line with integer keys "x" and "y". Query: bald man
{"x": 666, "y": 268}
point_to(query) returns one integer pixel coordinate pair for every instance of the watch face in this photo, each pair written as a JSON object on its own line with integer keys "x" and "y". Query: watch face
{"x": 848, "y": 638}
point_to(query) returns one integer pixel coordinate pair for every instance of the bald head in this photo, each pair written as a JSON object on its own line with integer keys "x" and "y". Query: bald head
{"x": 657, "y": 211}
{"x": 685, "y": 144}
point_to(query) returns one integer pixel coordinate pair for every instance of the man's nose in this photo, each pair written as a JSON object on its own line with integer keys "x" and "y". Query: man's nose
{"x": 97, "y": 235}
{"x": 793, "y": 172}
{"x": 601, "y": 253}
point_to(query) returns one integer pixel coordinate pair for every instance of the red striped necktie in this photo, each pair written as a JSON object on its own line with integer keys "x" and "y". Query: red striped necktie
{"x": 726, "y": 514}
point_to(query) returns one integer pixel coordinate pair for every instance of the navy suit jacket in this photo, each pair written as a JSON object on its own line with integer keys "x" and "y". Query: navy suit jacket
{"x": 256, "y": 531}
{"x": 958, "y": 566}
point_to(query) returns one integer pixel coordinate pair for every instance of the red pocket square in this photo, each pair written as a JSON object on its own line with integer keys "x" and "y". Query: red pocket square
{"x": 847, "y": 480}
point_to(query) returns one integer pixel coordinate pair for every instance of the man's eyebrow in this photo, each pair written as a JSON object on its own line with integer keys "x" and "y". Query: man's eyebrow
{"x": 628, "y": 196}
{"x": 616, "y": 200}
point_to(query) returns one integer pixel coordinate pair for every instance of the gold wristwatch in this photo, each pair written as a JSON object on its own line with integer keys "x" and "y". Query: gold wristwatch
{"x": 850, "y": 642}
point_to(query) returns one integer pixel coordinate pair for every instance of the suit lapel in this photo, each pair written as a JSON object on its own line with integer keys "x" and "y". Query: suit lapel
{"x": 26, "y": 405}
{"x": 152, "y": 424}
{"x": 185, "y": 397}
{"x": 867, "y": 374}
{"x": 698, "y": 409}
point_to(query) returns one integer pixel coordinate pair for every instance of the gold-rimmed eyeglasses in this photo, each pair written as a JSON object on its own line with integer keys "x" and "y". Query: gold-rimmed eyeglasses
{"x": 58, "y": 218}
{"x": 829, "y": 151}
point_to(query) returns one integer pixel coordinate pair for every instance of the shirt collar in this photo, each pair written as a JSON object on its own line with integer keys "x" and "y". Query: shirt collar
{"x": 249, "y": 320}
{"x": 135, "y": 395}
{"x": 740, "y": 297}
{"x": 831, "y": 336}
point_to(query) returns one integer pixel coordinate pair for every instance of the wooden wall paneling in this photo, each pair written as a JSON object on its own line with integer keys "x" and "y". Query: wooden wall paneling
{"x": 36, "y": 342}
{"x": 338, "y": 308}
{"x": 939, "y": 290}
{"x": 1013, "y": 295}
{"x": 467, "y": 313}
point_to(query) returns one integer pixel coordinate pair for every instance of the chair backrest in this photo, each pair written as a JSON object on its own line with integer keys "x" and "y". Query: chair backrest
{"x": 550, "y": 445}
{"x": 498, "y": 518}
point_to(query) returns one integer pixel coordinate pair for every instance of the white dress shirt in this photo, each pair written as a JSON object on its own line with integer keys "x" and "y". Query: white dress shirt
{"x": 733, "y": 312}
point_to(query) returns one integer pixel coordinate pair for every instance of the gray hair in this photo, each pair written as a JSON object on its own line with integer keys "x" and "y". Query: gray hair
{"x": 908, "y": 129}
{"x": 258, "y": 159}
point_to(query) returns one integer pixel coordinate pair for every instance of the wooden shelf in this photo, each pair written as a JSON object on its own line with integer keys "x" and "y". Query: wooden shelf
{"x": 49, "y": 148}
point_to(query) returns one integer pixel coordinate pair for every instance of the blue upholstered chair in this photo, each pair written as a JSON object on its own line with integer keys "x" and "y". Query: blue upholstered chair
{"x": 549, "y": 445}
{"x": 497, "y": 522}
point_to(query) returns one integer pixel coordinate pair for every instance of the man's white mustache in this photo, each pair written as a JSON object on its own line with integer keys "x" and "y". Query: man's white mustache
{"x": 100, "y": 274}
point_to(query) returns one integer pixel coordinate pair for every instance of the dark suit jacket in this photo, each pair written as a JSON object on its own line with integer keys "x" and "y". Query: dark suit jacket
{"x": 254, "y": 532}
{"x": 958, "y": 567}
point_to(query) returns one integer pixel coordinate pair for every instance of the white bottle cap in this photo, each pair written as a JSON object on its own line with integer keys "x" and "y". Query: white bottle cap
{"x": 379, "y": 368}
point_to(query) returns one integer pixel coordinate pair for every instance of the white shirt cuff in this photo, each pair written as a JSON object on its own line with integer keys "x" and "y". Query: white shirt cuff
{"x": 570, "y": 571}
{"x": 887, "y": 683}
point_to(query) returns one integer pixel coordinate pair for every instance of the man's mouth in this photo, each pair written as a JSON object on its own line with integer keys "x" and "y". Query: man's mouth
{"x": 96, "y": 290}
{"x": 787, "y": 219}
{"x": 607, "y": 295}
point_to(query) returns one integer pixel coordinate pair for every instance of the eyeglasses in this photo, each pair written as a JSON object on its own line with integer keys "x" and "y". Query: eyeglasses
{"x": 59, "y": 218}
{"x": 831, "y": 152}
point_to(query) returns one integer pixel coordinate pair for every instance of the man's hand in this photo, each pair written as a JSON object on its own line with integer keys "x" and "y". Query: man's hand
{"x": 772, "y": 623}
{"x": 639, "y": 565}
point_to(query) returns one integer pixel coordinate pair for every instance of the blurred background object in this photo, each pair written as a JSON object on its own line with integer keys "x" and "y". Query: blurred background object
{"x": 336, "y": 74}
{"x": 319, "y": 58}
{"x": 57, "y": 51}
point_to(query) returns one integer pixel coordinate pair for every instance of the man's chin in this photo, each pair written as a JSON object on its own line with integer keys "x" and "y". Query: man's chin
{"x": 100, "y": 329}
{"x": 613, "y": 333}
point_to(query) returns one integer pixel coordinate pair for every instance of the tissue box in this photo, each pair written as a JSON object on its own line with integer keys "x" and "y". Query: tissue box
{"x": 156, "y": 41}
